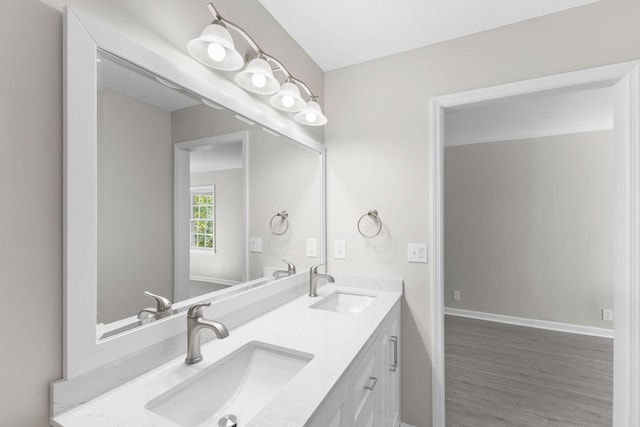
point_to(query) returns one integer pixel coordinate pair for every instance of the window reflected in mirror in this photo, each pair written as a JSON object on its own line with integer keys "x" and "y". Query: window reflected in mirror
{"x": 202, "y": 217}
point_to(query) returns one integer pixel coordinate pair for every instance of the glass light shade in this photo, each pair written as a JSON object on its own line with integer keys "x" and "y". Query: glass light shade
{"x": 311, "y": 115}
{"x": 209, "y": 103}
{"x": 258, "y": 78}
{"x": 288, "y": 98}
{"x": 215, "y": 48}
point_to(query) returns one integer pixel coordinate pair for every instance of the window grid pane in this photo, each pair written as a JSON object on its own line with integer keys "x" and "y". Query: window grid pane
{"x": 202, "y": 219}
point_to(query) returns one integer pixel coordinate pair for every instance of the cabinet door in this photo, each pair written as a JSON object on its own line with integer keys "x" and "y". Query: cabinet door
{"x": 364, "y": 389}
{"x": 332, "y": 413}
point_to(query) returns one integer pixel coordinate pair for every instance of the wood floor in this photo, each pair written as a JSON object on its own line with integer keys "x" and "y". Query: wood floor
{"x": 503, "y": 375}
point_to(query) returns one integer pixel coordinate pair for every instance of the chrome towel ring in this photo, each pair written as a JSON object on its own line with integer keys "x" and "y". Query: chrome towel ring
{"x": 284, "y": 220}
{"x": 373, "y": 214}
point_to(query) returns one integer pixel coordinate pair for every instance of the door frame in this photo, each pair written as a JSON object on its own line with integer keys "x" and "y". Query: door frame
{"x": 181, "y": 209}
{"x": 624, "y": 78}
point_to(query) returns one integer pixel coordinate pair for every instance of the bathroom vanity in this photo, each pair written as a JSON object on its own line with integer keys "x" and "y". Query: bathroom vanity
{"x": 333, "y": 360}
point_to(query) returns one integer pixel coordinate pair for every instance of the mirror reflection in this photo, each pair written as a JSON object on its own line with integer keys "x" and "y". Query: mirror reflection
{"x": 187, "y": 193}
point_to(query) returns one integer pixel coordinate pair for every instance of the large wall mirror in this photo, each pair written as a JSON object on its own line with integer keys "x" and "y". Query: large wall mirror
{"x": 164, "y": 189}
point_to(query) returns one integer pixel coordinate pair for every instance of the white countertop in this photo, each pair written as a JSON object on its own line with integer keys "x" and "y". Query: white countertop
{"x": 334, "y": 339}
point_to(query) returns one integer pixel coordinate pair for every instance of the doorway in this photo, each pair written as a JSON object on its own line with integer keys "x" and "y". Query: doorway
{"x": 624, "y": 80}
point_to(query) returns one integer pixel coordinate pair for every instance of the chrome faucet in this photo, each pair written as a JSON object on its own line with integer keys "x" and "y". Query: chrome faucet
{"x": 291, "y": 269}
{"x": 195, "y": 323}
{"x": 314, "y": 276}
{"x": 163, "y": 307}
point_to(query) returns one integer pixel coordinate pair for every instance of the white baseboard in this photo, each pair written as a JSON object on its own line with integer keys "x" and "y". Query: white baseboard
{"x": 532, "y": 323}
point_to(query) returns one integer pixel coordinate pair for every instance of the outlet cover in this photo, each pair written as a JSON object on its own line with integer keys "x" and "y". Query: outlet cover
{"x": 312, "y": 248}
{"x": 455, "y": 295}
{"x": 255, "y": 244}
{"x": 607, "y": 315}
{"x": 417, "y": 252}
{"x": 340, "y": 249}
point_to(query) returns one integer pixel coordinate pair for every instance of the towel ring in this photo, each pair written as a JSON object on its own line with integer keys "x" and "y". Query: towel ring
{"x": 284, "y": 217}
{"x": 373, "y": 214}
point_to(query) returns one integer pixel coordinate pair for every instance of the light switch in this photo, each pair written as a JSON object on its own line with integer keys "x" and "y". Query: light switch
{"x": 417, "y": 252}
{"x": 312, "y": 248}
{"x": 340, "y": 249}
{"x": 255, "y": 244}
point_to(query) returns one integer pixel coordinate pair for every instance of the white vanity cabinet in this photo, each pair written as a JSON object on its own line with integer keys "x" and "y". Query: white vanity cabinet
{"x": 390, "y": 339}
{"x": 368, "y": 394}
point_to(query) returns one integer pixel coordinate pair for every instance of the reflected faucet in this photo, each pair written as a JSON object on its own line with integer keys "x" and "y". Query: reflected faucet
{"x": 313, "y": 279}
{"x": 195, "y": 324}
{"x": 291, "y": 270}
{"x": 163, "y": 307}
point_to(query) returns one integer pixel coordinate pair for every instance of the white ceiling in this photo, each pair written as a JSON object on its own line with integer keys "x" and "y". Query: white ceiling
{"x": 215, "y": 157}
{"x": 339, "y": 33}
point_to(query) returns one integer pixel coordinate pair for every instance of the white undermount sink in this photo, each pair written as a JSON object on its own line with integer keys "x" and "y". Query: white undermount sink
{"x": 240, "y": 384}
{"x": 345, "y": 302}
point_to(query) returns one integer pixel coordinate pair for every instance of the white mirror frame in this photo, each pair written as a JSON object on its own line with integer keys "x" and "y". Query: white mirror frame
{"x": 625, "y": 80}
{"x": 83, "y": 36}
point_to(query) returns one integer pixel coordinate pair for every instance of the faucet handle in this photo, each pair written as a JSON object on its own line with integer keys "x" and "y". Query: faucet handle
{"x": 291, "y": 268}
{"x": 314, "y": 268}
{"x": 196, "y": 310}
{"x": 162, "y": 304}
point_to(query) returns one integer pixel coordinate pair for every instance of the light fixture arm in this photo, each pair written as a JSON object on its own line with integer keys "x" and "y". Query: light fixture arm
{"x": 260, "y": 52}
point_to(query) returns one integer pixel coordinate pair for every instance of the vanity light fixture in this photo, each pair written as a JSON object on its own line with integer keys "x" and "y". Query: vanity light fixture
{"x": 311, "y": 115}
{"x": 288, "y": 98}
{"x": 244, "y": 119}
{"x": 215, "y": 48}
{"x": 209, "y": 103}
{"x": 258, "y": 78}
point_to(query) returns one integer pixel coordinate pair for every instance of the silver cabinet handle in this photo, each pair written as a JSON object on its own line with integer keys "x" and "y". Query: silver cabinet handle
{"x": 373, "y": 383}
{"x": 394, "y": 365}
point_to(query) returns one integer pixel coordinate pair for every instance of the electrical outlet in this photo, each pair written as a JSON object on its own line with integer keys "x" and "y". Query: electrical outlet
{"x": 607, "y": 314}
{"x": 340, "y": 249}
{"x": 455, "y": 295}
{"x": 255, "y": 244}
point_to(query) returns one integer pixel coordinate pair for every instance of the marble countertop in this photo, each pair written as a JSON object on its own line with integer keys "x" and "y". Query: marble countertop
{"x": 334, "y": 340}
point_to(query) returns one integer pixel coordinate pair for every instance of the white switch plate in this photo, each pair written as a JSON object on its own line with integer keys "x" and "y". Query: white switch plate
{"x": 312, "y": 248}
{"x": 455, "y": 295}
{"x": 607, "y": 314}
{"x": 340, "y": 249}
{"x": 417, "y": 252}
{"x": 255, "y": 244}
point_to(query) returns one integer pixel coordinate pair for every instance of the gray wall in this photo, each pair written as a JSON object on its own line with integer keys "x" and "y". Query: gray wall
{"x": 31, "y": 167}
{"x": 529, "y": 227}
{"x": 31, "y": 214}
{"x": 135, "y": 205}
{"x": 282, "y": 176}
{"x": 226, "y": 261}
{"x": 379, "y": 151}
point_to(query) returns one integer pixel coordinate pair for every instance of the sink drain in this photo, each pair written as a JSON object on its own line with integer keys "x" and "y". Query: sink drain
{"x": 228, "y": 421}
